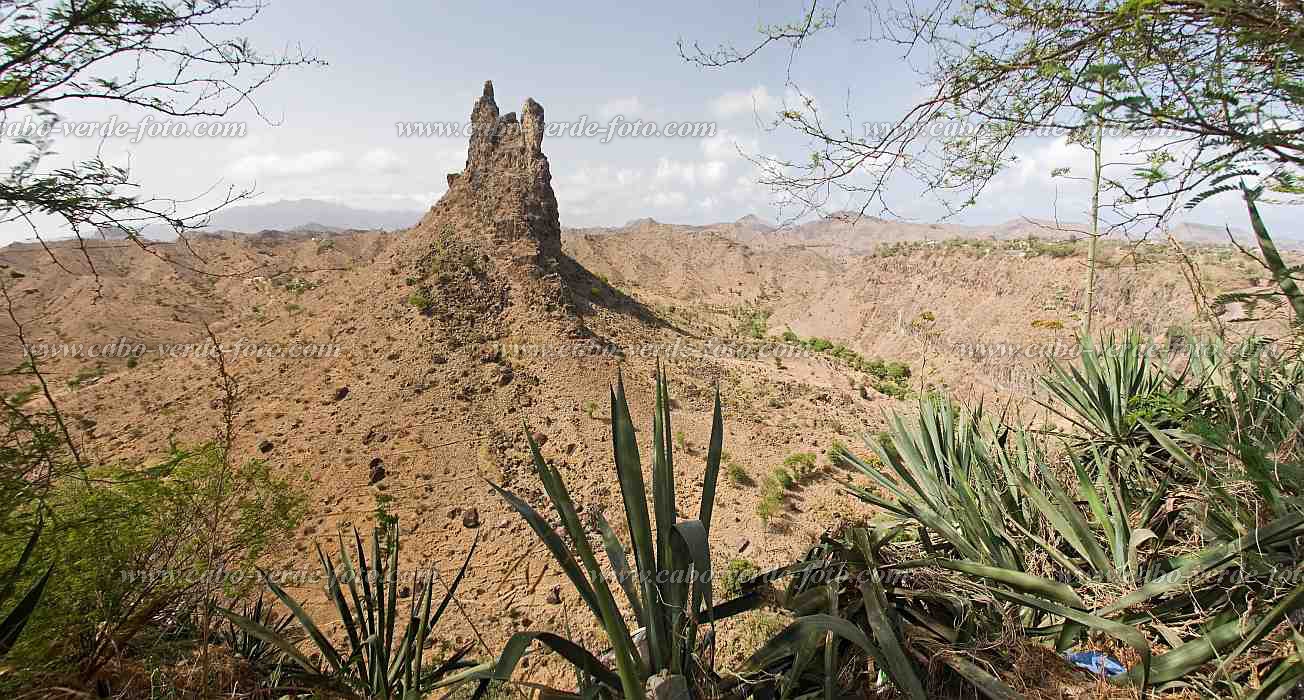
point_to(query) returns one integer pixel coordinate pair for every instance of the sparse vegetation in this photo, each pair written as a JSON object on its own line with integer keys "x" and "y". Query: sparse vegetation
{"x": 887, "y": 377}
{"x": 737, "y": 473}
{"x": 379, "y": 659}
{"x": 837, "y": 452}
{"x": 774, "y": 490}
{"x": 770, "y": 504}
{"x": 753, "y": 322}
{"x": 420, "y": 299}
{"x": 800, "y": 464}
{"x": 739, "y": 571}
{"x": 296, "y": 285}
{"x": 86, "y": 375}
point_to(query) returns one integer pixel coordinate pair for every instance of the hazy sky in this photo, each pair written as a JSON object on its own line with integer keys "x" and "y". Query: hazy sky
{"x": 336, "y": 136}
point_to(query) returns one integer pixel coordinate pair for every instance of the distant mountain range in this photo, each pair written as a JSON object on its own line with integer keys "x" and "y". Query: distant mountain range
{"x": 309, "y": 214}
{"x": 846, "y": 231}
{"x": 849, "y": 232}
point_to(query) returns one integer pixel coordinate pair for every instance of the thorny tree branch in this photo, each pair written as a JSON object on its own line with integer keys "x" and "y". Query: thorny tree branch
{"x": 163, "y": 56}
{"x": 1205, "y": 86}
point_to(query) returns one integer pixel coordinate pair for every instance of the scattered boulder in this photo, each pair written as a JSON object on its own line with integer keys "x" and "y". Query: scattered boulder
{"x": 377, "y": 467}
{"x": 471, "y": 518}
{"x": 265, "y": 446}
{"x": 341, "y": 393}
{"x": 665, "y": 686}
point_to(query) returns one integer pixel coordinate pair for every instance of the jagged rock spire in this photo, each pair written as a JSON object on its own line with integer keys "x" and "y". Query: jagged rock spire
{"x": 506, "y": 186}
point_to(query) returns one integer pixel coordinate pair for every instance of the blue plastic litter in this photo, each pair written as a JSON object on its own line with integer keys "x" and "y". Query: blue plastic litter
{"x": 1096, "y": 662}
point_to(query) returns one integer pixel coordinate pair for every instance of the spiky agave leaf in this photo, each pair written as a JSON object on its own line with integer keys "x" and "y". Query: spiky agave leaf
{"x": 15, "y": 620}
{"x": 373, "y": 664}
{"x": 668, "y": 586}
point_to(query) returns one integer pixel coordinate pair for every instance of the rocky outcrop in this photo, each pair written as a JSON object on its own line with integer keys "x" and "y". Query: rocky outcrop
{"x": 493, "y": 241}
{"x": 506, "y": 182}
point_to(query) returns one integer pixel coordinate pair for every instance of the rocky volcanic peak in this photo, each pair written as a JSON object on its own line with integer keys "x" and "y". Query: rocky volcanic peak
{"x": 494, "y": 238}
{"x": 507, "y": 175}
{"x": 754, "y": 222}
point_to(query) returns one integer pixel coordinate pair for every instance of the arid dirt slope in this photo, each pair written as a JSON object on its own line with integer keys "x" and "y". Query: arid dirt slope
{"x": 454, "y": 335}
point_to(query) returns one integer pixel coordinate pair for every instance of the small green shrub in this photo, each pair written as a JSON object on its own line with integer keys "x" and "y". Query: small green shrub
{"x": 738, "y": 572}
{"x": 895, "y": 390}
{"x": 299, "y": 285}
{"x": 24, "y": 395}
{"x": 737, "y": 474}
{"x": 800, "y": 464}
{"x": 897, "y": 370}
{"x": 769, "y": 506}
{"x": 1054, "y": 249}
{"x": 133, "y": 538}
{"x": 753, "y": 323}
{"x": 86, "y": 375}
{"x": 420, "y": 299}
{"x": 783, "y": 478}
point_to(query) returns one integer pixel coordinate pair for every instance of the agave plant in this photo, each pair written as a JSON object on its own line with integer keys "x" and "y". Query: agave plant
{"x": 942, "y": 473}
{"x": 668, "y": 585}
{"x": 381, "y": 661}
{"x": 905, "y": 629}
{"x": 668, "y": 589}
{"x": 986, "y": 502}
{"x": 1111, "y": 387}
{"x": 1244, "y": 432}
{"x": 258, "y": 651}
{"x": 12, "y": 624}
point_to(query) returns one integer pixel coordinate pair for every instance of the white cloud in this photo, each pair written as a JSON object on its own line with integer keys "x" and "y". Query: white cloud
{"x": 726, "y": 144}
{"x": 691, "y": 173}
{"x": 754, "y": 101}
{"x": 705, "y": 182}
{"x": 666, "y": 198}
{"x": 381, "y": 160}
{"x": 623, "y": 106}
{"x": 276, "y": 165}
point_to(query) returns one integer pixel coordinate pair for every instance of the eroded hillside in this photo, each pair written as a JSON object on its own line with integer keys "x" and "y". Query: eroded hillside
{"x": 485, "y": 320}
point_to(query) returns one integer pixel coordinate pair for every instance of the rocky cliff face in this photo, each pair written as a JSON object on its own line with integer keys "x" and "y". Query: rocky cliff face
{"x": 508, "y": 172}
{"x": 493, "y": 241}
